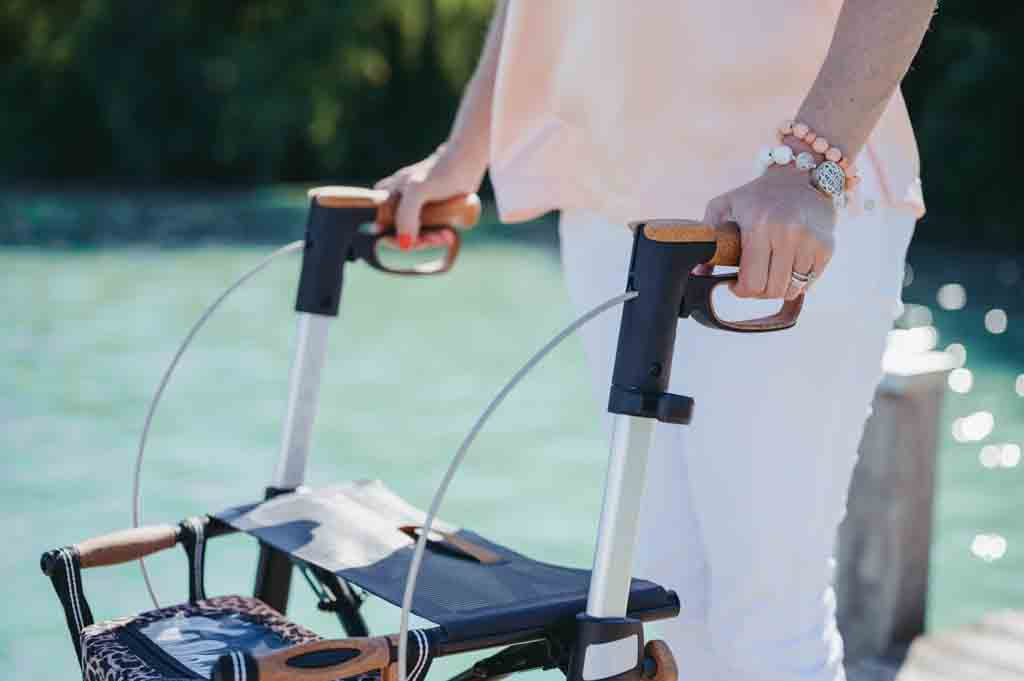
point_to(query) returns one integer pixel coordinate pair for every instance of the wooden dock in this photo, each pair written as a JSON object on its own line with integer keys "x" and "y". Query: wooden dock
{"x": 884, "y": 545}
{"x": 990, "y": 650}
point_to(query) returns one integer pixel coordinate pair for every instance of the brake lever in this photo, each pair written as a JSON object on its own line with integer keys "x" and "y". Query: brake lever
{"x": 697, "y": 291}
{"x": 364, "y": 247}
{"x": 698, "y": 304}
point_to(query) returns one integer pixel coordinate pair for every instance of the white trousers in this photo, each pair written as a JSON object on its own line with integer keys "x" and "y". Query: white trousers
{"x": 742, "y": 505}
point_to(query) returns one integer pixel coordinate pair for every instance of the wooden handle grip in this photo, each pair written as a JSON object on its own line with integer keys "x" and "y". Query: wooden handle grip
{"x": 462, "y": 211}
{"x": 316, "y": 661}
{"x": 126, "y": 545}
{"x": 726, "y": 237}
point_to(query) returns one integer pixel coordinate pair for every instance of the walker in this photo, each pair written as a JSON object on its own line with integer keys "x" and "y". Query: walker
{"x": 360, "y": 534}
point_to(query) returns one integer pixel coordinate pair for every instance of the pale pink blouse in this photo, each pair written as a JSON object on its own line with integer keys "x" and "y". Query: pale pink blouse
{"x": 649, "y": 108}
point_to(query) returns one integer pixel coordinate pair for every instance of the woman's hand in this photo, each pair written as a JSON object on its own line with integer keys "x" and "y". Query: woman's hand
{"x": 447, "y": 172}
{"x": 786, "y": 226}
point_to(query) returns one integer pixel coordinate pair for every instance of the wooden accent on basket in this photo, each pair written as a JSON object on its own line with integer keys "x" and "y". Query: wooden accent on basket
{"x": 726, "y": 237}
{"x": 664, "y": 660}
{"x": 368, "y": 655}
{"x": 126, "y": 545}
{"x": 462, "y": 211}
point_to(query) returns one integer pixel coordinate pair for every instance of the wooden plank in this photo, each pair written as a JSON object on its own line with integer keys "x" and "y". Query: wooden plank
{"x": 990, "y": 650}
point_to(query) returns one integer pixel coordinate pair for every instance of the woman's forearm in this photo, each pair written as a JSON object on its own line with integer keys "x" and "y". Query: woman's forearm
{"x": 470, "y": 133}
{"x": 873, "y": 46}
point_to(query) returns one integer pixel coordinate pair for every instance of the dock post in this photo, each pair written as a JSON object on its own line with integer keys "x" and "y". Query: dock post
{"x": 883, "y": 545}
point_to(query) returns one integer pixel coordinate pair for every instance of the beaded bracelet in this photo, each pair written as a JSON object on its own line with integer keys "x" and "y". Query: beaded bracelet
{"x": 820, "y": 145}
{"x": 827, "y": 177}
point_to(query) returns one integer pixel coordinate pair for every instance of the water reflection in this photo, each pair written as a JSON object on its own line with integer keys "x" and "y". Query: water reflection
{"x": 1006, "y": 455}
{"x": 959, "y": 353}
{"x": 951, "y": 296}
{"x": 961, "y": 380}
{"x": 973, "y": 428}
{"x": 995, "y": 321}
{"x": 989, "y": 547}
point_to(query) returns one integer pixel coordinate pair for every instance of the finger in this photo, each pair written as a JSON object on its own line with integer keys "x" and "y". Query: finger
{"x": 407, "y": 218}
{"x": 803, "y": 263}
{"x": 780, "y": 268}
{"x": 718, "y": 210}
{"x": 754, "y": 261}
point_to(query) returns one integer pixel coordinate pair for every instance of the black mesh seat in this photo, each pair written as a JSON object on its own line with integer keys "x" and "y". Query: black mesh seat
{"x": 471, "y": 587}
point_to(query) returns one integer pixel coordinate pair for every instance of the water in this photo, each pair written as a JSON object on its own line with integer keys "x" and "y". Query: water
{"x": 86, "y": 335}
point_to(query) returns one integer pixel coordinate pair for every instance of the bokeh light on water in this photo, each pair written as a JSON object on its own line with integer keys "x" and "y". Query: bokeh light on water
{"x": 977, "y": 497}
{"x": 915, "y": 315}
{"x": 951, "y": 296}
{"x": 996, "y": 321}
{"x": 973, "y": 428}
{"x": 989, "y": 547}
{"x": 960, "y": 380}
{"x": 958, "y": 352}
{"x": 1006, "y": 455}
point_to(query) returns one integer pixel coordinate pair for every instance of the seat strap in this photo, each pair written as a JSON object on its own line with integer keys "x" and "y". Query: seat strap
{"x": 451, "y": 542}
{"x": 64, "y": 569}
{"x": 193, "y": 540}
{"x": 423, "y": 647}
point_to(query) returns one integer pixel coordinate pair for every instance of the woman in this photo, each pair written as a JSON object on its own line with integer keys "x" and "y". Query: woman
{"x": 615, "y": 111}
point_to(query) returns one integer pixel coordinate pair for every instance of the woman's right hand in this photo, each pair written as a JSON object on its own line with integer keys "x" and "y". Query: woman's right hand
{"x": 447, "y": 172}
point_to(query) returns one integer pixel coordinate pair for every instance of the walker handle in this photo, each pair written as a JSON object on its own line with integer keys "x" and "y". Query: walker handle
{"x": 726, "y": 237}
{"x": 698, "y": 301}
{"x": 315, "y": 661}
{"x": 462, "y": 211}
{"x": 126, "y": 545}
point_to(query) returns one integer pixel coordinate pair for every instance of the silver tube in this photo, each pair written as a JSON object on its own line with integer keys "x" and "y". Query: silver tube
{"x": 303, "y": 396}
{"x": 620, "y": 511}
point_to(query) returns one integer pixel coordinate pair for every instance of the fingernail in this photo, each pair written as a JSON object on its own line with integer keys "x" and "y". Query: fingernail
{"x": 405, "y": 241}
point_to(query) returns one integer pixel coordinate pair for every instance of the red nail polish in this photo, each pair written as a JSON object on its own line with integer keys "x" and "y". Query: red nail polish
{"x": 405, "y": 241}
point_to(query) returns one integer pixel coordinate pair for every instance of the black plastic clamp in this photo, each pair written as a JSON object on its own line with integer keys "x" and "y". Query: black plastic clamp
{"x": 658, "y": 271}
{"x": 329, "y": 236}
{"x": 603, "y": 644}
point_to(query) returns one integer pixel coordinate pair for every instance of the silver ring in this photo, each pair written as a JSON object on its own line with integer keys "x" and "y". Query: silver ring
{"x": 801, "y": 279}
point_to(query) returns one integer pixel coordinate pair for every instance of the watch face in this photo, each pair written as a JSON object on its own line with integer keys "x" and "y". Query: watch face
{"x": 829, "y": 178}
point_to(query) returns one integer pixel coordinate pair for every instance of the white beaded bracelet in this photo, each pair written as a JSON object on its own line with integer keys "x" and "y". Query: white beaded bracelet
{"x": 783, "y": 155}
{"x": 827, "y": 177}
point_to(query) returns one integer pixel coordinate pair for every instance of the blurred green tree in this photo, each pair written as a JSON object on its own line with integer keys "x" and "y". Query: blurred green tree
{"x": 249, "y": 91}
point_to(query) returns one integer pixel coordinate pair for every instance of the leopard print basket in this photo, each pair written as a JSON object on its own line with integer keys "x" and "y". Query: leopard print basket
{"x": 111, "y": 653}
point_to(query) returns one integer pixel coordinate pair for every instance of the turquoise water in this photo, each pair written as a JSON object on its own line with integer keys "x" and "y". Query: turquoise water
{"x": 86, "y": 334}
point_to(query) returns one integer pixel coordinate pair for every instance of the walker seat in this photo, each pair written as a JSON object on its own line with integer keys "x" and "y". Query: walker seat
{"x": 471, "y": 587}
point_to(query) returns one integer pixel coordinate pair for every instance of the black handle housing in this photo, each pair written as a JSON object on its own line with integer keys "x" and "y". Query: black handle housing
{"x": 658, "y": 271}
{"x": 329, "y": 236}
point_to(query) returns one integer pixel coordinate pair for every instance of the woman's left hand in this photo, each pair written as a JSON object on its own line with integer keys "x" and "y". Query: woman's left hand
{"x": 786, "y": 227}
